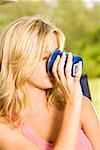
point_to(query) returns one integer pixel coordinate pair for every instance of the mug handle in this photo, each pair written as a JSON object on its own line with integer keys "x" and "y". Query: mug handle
{"x": 85, "y": 86}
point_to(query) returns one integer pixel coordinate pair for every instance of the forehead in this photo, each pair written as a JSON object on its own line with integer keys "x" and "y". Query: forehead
{"x": 53, "y": 43}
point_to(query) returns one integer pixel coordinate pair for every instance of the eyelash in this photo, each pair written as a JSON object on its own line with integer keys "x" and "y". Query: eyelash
{"x": 45, "y": 58}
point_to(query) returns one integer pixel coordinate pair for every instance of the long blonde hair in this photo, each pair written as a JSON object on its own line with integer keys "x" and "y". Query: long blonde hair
{"x": 21, "y": 48}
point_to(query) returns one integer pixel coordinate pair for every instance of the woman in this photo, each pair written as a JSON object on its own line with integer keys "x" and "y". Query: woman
{"x": 38, "y": 111}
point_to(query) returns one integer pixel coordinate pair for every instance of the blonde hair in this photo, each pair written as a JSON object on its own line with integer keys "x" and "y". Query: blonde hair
{"x": 21, "y": 48}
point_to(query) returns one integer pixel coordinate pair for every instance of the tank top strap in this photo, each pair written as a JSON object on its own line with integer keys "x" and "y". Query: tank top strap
{"x": 28, "y": 133}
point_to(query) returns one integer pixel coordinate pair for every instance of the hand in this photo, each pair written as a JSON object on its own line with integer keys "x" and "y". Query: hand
{"x": 70, "y": 86}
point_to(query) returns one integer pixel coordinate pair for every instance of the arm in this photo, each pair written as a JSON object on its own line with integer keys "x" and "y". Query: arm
{"x": 90, "y": 123}
{"x": 67, "y": 138}
{"x": 71, "y": 89}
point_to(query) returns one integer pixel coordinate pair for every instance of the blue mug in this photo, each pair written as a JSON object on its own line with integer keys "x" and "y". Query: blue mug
{"x": 51, "y": 59}
{"x": 75, "y": 60}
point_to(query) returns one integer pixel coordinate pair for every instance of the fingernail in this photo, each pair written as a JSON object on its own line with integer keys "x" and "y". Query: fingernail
{"x": 58, "y": 57}
{"x": 80, "y": 62}
{"x": 80, "y": 68}
{"x": 70, "y": 54}
{"x": 64, "y": 53}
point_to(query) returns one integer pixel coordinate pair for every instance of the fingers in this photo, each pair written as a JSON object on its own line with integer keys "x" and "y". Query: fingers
{"x": 61, "y": 69}
{"x": 69, "y": 85}
{"x": 78, "y": 72}
{"x": 58, "y": 73}
{"x": 58, "y": 68}
{"x": 59, "y": 64}
{"x": 54, "y": 68}
{"x": 68, "y": 65}
{"x": 68, "y": 69}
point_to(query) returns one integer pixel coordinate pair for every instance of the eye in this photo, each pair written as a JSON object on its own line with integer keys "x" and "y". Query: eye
{"x": 44, "y": 58}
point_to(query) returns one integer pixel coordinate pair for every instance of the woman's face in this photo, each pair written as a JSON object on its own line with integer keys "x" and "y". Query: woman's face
{"x": 39, "y": 77}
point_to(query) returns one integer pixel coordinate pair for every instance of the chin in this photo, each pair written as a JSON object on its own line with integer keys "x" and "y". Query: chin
{"x": 47, "y": 85}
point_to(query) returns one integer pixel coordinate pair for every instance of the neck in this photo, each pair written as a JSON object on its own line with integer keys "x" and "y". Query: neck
{"x": 39, "y": 117}
{"x": 36, "y": 98}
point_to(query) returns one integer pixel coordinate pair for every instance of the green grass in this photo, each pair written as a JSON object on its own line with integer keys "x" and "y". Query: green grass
{"x": 94, "y": 85}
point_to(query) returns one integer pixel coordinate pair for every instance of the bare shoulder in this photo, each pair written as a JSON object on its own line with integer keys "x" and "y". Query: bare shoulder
{"x": 90, "y": 122}
{"x": 13, "y": 139}
{"x": 88, "y": 110}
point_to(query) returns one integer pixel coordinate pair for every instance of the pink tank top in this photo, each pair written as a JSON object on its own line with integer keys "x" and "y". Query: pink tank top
{"x": 82, "y": 144}
{"x": 44, "y": 145}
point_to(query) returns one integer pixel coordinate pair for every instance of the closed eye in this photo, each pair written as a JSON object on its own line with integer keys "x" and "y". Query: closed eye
{"x": 45, "y": 58}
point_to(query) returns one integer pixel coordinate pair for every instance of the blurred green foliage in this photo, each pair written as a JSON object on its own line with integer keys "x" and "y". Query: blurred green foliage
{"x": 80, "y": 25}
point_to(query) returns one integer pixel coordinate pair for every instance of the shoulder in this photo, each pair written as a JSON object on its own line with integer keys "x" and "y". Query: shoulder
{"x": 90, "y": 122}
{"x": 88, "y": 111}
{"x": 12, "y": 139}
{"x": 5, "y": 136}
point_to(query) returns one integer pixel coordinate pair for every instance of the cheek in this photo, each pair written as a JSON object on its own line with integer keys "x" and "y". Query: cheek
{"x": 40, "y": 78}
{"x": 39, "y": 74}
{"x": 40, "y": 81}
